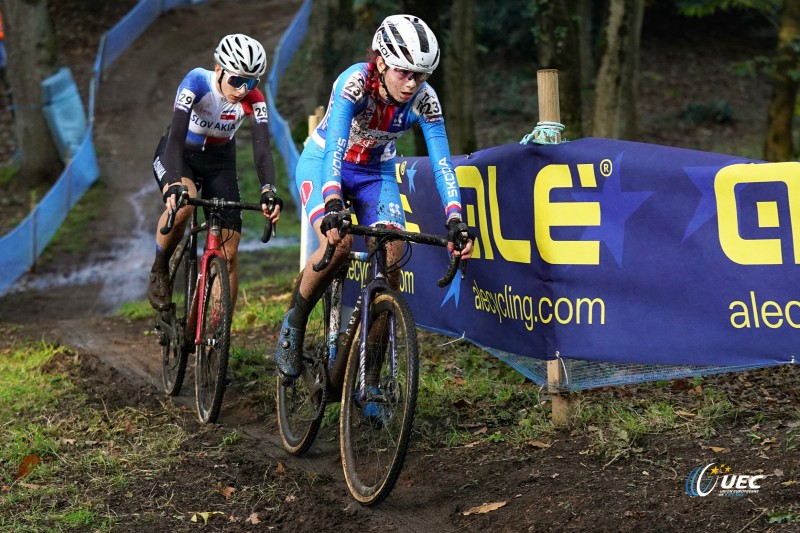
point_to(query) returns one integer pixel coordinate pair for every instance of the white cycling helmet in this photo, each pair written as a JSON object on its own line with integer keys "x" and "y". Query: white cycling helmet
{"x": 239, "y": 54}
{"x": 406, "y": 42}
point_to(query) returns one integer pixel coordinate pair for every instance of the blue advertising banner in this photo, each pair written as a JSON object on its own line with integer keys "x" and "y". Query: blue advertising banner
{"x": 614, "y": 251}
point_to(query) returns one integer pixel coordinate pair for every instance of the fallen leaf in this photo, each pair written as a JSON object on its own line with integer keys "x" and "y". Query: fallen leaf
{"x": 27, "y": 464}
{"x": 681, "y": 385}
{"x": 129, "y": 428}
{"x": 253, "y": 519}
{"x": 205, "y": 515}
{"x": 225, "y": 490}
{"x": 462, "y": 404}
{"x": 472, "y": 444}
{"x": 67, "y": 441}
{"x": 538, "y": 444}
{"x": 789, "y": 483}
{"x": 717, "y": 449}
{"x": 280, "y": 469}
{"x": 458, "y": 381}
{"x": 685, "y": 414}
{"x": 485, "y": 508}
{"x": 481, "y": 431}
{"x": 290, "y": 498}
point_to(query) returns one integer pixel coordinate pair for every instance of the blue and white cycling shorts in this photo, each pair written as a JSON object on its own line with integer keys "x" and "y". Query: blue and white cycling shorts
{"x": 371, "y": 190}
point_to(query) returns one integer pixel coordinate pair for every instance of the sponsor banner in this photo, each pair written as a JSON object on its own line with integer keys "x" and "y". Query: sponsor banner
{"x": 614, "y": 251}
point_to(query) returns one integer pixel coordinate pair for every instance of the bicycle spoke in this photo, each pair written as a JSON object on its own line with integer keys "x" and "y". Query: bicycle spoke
{"x": 171, "y": 325}
{"x": 377, "y": 415}
{"x": 301, "y": 402}
{"x": 212, "y": 356}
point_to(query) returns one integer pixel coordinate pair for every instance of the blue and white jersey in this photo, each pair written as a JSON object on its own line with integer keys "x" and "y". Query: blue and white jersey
{"x": 360, "y": 129}
{"x": 213, "y": 119}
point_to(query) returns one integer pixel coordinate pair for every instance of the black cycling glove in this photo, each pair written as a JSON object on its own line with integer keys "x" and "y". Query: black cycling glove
{"x": 270, "y": 195}
{"x": 175, "y": 189}
{"x": 458, "y": 233}
{"x": 335, "y": 215}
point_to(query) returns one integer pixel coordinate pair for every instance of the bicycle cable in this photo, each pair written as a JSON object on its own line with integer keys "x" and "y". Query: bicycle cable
{"x": 401, "y": 262}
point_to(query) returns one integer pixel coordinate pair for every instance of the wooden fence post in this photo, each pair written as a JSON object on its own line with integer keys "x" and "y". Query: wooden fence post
{"x": 550, "y": 112}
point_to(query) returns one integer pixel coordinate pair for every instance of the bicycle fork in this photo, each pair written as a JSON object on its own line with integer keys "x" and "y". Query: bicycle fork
{"x": 213, "y": 245}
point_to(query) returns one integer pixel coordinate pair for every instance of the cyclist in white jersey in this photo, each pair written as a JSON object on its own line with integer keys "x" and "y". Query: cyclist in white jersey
{"x": 198, "y": 151}
{"x": 351, "y": 157}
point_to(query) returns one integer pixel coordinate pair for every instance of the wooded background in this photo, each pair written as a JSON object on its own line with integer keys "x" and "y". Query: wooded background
{"x": 594, "y": 45}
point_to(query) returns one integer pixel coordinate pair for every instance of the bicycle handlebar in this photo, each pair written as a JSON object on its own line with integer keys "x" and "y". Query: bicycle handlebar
{"x": 218, "y": 204}
{"x": 397, "y": 235}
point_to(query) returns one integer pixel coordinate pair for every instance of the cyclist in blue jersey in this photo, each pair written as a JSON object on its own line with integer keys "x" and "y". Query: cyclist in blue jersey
{"x": 198, "y": 151}
{"x": 351, "y": 157}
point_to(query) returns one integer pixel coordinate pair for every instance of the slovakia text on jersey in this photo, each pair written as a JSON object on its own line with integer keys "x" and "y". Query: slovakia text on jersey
{"x": 213, "y": 119}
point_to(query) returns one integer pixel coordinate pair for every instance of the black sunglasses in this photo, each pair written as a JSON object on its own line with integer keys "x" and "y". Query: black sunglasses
{"x": 237, "y": 81}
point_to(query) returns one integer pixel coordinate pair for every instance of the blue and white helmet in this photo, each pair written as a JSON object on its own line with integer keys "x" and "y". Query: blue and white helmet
{"x": 406, "y": 42}
{"x": 239, "y": 54}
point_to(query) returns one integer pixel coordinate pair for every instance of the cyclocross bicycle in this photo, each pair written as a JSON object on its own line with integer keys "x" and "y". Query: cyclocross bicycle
{"x": 373, "y": 366}
{"x": 200, "y": 313}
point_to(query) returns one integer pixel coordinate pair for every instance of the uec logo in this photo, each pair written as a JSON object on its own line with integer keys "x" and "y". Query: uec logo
{"x": 701, "y": 482}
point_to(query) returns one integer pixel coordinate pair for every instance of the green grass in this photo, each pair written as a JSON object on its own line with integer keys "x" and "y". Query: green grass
{"x": 135, "y": 310}
{"x": 73, "y": 236}
{"x": 7, "y": 174}
{"x": 84, "y": 451}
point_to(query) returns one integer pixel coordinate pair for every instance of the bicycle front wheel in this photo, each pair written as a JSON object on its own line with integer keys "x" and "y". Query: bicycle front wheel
{"x": 378, "y": 406}
{"x": 212, "y": 354}
{"x": 174, "y": 350}
{"x": 301, "y": 402}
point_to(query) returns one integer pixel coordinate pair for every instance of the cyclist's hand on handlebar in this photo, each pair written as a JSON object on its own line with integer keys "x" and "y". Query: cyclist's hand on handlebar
{"x": 335, "y": 217}
{"x": 171, "y": 195}
{"x": 271, "y": 204}
{"x": 459, "y": 239}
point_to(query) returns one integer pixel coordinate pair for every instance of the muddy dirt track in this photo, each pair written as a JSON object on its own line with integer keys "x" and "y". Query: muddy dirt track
{"x": 563, "y": 487}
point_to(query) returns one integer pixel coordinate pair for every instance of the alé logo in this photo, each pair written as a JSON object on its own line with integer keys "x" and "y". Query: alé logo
{"x": 602, "y": 206}
{"x": 705, "y": 479}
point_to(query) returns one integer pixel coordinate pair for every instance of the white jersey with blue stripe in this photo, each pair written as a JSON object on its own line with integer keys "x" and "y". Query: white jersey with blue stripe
{"x": 213, "y": 119}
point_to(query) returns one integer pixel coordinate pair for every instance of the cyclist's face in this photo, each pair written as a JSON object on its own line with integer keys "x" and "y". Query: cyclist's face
{"x": 401, "y": 84}
{"x": 231, "y": 94}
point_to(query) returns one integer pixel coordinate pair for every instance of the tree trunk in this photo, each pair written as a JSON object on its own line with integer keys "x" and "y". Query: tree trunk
{"x": 558, "y": 47}
{"x": 460, "y": 59}
{"x": 779, "y": 146}
{"x": 630, "y": 79}
{"x": 30, "y": 44}
{"x": 429, "y": 12}
{"x": 610, "y": 77}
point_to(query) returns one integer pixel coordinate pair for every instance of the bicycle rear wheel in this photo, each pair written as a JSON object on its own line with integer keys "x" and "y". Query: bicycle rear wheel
{"x": 301, "y": 402}
{"x": 212, "y": 354}
{"x": 376, "y": 419}
{"x": 174, "y": 350}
